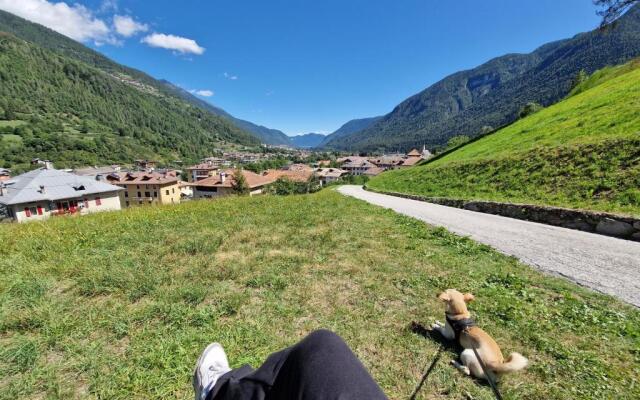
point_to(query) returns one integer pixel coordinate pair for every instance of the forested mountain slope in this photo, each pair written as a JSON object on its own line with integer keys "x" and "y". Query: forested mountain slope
{"x": 266, "y": 135}
{"x": 353, "y": 126}
{"x": 583, "y": 152}
{"x": 492, "y": 94}
{"x": 73, "y": 113}
{"x": 308, "y": 140}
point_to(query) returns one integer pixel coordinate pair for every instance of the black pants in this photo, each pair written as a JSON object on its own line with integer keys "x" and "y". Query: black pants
{"x": 321, "y": 366}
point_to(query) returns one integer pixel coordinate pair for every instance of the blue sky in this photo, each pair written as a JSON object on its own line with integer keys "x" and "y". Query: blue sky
{"x": 309, "y": 66}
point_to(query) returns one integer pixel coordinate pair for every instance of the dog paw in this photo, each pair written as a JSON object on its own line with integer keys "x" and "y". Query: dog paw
{"x": 462, "y": 368}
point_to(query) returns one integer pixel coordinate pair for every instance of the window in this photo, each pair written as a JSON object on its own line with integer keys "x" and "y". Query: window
{"x": 127, "y": 204}
{"x": 139, "y": 194}
{"x": 98, "y": 201}
{"x": 126, "y": 194}
{"x": 27, "y": 212}
{"x": 155, "y": 194}
{"x": 137, "y": 186}
{"x": 39, "y": 210}
{"x": 173, "y": 190}
{"x": 147, "y": 194}
{"x": 167, "y": 191}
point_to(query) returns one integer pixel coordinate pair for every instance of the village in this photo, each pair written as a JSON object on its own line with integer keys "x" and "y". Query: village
{"x": 48, "y": 192}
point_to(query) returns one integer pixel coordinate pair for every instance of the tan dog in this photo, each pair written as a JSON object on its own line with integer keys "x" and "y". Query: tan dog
{"x": 460, "y": 325}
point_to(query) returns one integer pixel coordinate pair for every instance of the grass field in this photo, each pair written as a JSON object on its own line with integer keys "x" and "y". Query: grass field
{"x": 119, "y": 305}
{"x": 583, "y": 152}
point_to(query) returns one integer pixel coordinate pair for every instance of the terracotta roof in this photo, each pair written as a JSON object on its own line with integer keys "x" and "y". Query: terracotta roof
{"x": 297, "y": 175}
{"x": 387, "y": 160}
{"x": 297, "y": 167}
{"x": 410, "y": 161}
{"x": 414, "y": 153}
{"x": 206, "y": 166}
{"x": 350, "y": 159}
{"x": 373, "y": 171}
{"x": 332, "y": 172}
{"x": 253, "y": 180}
{"x": 146, "y": 178}
{"x": 360, "y": 163}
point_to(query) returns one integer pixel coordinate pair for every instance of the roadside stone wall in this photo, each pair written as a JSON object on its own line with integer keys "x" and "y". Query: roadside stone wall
{"x": 588, "y": 221}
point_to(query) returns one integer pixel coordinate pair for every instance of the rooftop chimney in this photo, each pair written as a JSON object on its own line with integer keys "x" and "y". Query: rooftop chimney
{"x": 48, "y": 164}
{"x": 223, "y": 176}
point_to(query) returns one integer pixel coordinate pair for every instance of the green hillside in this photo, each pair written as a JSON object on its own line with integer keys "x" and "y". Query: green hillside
{"x": 583, "y": 152}
{"x": 63, "y": 101}
{"x": 119, "y": 305}
{"x": 490, "y": 95}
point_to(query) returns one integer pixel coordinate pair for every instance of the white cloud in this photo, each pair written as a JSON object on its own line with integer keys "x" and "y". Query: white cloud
{"x": 108, "y": 6}
{"x": 180, "y": 44}
{"x": 127, "y": 26}
{"x": 230, "y": 77}
{"x": 203, "y": 93}
{"x": 75, "y": 21}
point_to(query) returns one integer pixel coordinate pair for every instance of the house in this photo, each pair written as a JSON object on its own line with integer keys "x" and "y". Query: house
{"x": 388, "y": 161}
{"x": 146, "y": 165}
{"x": 45, "y": 192}
{"x": 5, "y": 174}
{"x": 414, "y": 153}
{"x": 205, "y": 169}
{"x": 147, "y": 187}
{"x": 222, "y": 183}
{"x": 413, "y": 157}
{"x": 295, "y": 175}
{"x": 357, "y": 166}
{"x": 328, "y": 175}
{"x": 186, "y": 190}
{"x": 373, "y": 171}
{"x": 99, "y": 173}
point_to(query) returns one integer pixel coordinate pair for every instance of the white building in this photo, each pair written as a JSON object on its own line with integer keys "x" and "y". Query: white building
{"x": 328, "y": 175}
{"x": 46, "y": 192}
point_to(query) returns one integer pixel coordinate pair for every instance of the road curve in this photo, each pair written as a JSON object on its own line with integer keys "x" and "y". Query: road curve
{"x": 602, "y": 263}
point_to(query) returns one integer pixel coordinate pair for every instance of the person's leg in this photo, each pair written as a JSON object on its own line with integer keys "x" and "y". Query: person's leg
{"x": 321, "y": 366}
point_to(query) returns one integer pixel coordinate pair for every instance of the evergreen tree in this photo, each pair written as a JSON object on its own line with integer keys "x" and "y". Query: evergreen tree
{"x": 239, "y": 184}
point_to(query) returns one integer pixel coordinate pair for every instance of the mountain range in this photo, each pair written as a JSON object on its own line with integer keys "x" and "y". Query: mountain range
{"x": 308, "y": 140}
{"x": 491, "y": 95}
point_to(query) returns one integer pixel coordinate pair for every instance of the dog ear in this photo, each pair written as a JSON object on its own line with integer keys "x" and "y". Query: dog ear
{"x": 468, "y": 297}
{"x": 444, "y": 296}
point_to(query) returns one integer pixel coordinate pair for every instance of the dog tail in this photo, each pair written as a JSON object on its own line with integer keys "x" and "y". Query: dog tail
{"x": 514, "y": 362}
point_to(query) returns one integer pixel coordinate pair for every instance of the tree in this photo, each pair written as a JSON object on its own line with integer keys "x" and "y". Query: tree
{"x": 457, "y": 141}
{"x": 84, "y": 128}
{"x": 239, "y": 183}
{"x": 529, "y": 109}
{"x": 579, "y": 79}
{"x": 613, "y": 9}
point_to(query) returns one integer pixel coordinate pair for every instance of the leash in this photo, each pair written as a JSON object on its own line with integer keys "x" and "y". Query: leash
{"x": 493, "y": 385}
{"x": 427, "y": 373}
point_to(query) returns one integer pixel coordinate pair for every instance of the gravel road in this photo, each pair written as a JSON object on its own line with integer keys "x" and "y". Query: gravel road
{"x": 602, "y": 263}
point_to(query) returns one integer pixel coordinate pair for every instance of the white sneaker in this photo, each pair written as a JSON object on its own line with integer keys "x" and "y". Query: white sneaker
{"x": 211, "y": 365}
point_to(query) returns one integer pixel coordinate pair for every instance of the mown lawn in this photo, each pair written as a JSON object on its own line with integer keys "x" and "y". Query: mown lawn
{"x": 119, "y": 305}
{"x": 583, "y": 152}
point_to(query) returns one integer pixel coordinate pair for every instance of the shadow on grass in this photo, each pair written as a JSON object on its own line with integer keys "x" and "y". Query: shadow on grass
{"x": 445, "y": 345}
